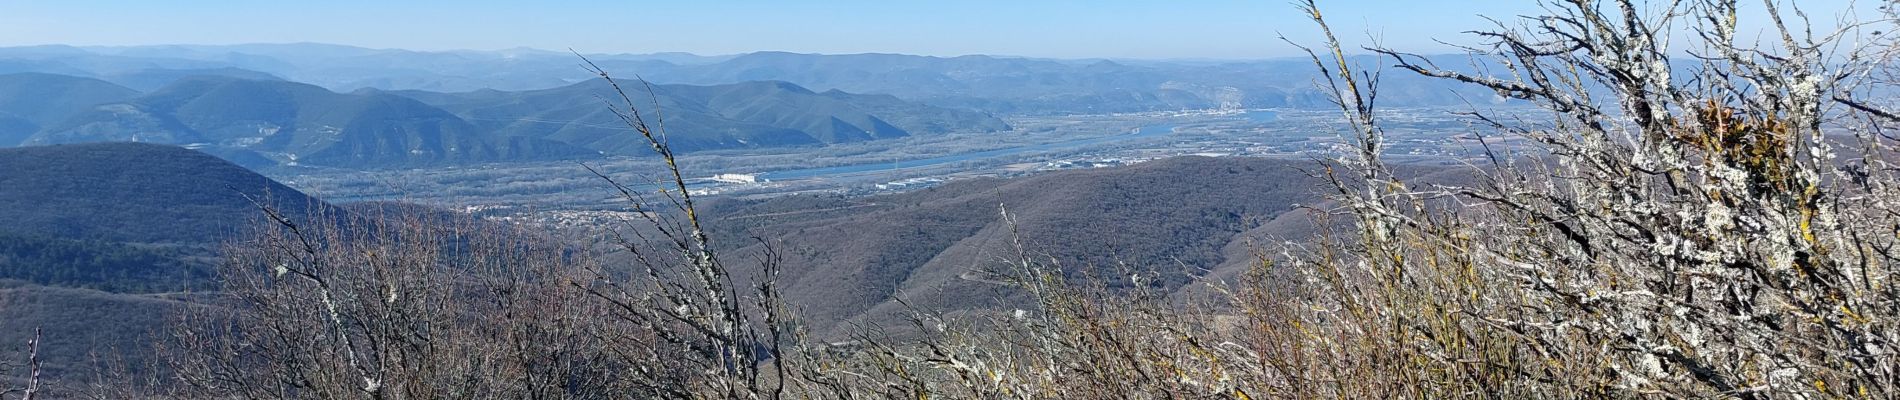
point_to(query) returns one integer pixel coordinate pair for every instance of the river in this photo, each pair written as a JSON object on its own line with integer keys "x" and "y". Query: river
{"x": 1139, "y": 133}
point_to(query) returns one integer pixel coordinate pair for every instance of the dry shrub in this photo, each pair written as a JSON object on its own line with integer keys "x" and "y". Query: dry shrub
{"x": 1683, "y": 227}
{"x": 403, "y": 307}
{"x": 1077, "y": 340}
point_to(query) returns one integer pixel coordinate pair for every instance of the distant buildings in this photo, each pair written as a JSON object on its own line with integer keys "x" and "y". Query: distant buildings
{"x": 736, "y": 178}
{"x": 911, "y": 183}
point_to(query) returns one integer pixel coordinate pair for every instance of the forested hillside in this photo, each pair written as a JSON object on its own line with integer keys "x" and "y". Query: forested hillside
{"x": 30, "y": 101}
{"x": 134, "y": 192}
{"x": 944, "y": 248}
{"x": 97, "y": 240}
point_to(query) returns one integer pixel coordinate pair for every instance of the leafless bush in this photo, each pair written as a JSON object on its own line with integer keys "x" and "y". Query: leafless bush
{"x": 1677, "y": 230}
{"x": 404, "y": 307}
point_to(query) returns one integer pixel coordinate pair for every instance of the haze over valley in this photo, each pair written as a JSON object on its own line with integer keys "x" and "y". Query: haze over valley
{"x": 322, "y": 122}
{"x": 1556, "y": 199}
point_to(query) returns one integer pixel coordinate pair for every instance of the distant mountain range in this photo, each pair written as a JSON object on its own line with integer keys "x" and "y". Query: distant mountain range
{"x": 985, "y": 83}
{"x": 258, "y": 121}
{"x": 297, "y": 122}
{"x": 29, "y": 101}
{"x": 326, "y": 105}
{"x": 741, "y": 115}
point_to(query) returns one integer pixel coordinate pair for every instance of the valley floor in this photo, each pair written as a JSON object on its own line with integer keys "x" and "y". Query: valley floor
{"x": 560, "y": 190}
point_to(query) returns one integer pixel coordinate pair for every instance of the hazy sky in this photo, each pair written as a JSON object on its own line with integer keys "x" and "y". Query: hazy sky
{"x": 1224, "y": 29}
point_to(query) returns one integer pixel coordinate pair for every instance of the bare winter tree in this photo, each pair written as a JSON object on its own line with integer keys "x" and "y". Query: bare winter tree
{"x": 1687, "y": 224}
{"x": 716, "y": 332}
{"x": 31, "y": 385}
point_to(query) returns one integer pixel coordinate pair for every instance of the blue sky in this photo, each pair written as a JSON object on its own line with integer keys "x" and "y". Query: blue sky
{"x": 1218, "y": 29}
